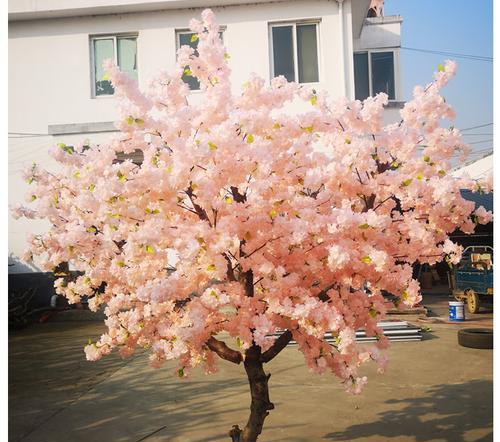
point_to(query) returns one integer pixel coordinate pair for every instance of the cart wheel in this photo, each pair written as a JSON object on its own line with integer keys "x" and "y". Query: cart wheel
{"x": 476, "y": 337}
{"x": 472, "y": 301}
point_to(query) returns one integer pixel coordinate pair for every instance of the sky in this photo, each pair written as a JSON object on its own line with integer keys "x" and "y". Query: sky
{"x": 457, "y": 26}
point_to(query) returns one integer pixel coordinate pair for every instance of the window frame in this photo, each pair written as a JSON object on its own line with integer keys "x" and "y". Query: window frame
{"x": 184, "y": 31}
{"x": 294, "y": 23}
{"x": 395, "y": 55}
{"x": 115, "y": 38}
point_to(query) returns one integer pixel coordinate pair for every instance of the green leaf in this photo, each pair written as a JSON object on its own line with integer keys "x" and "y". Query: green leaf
{"x": 239, "y": 342}
{"x": 364, "y": 226}
{"x": 406, "y": 183}
{"x": 187, "y": 72}
{"x": 314, "y": 100}
{"x": 273, "y": 213}
{"x": 130, "y": 120}
{"x": 180, "y": 372}
{"x": 121, "y": 177}
{"x": 226, "y": 56}
{"x": 67, "y": 149}
{"x": 194, "y": 38}
{"x": 211, "y": 267}
{"x": 76, "y": 174}
{"x": 92, "y": 229}
{"x": 373, "y": 313}
{"x": 92, "y": 187}
{"x": 440, "y": 68}
{"x": 250, "y": 139}
{"x": 308, "y": 129}
{"x": 105, "y": 77}
{"x": 366, "y": 259}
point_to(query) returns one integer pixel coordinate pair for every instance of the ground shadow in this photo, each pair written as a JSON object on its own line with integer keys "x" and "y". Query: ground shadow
{"x": 52, "y": 385}
{"x": 446, "y": 413}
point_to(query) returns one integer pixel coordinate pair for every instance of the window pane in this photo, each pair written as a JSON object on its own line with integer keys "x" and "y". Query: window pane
{"x": 283, "y": 52}
{"x": 127, "y": 56}
{"x": 361, "y": 79}
{"x": 103, "y": 50}
{"x": 307, "y": 49}
{"x": 383, "y": 73}
{"x": 185, "y": 40}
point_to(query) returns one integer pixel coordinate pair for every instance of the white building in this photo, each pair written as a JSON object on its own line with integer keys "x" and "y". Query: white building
{"x": 56, "y": 48}
{"x": 478, "y": 169}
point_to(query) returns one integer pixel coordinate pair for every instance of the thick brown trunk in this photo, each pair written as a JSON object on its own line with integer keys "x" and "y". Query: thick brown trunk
{"x": 260, "y": 405}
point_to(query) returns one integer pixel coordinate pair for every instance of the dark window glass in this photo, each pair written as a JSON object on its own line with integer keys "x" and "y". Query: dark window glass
{"x": 185, "y": 40}
{"x": 307, "y": 49}
{"x": 361, "y": 76}
{"x": 383, "y": 73}
{"x": 283, "y": 52}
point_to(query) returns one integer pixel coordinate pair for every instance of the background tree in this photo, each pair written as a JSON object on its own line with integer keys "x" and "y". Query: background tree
{"x": 246, "y": 218}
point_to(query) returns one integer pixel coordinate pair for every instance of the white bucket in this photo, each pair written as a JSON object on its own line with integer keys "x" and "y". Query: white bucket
{"x": 457, "y": 311}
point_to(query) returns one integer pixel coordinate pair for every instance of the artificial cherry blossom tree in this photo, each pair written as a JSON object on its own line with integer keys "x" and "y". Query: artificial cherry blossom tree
{"x": 246, "y": 219}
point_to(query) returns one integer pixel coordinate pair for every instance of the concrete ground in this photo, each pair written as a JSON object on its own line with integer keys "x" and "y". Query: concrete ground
{"x": 434, "y": 390}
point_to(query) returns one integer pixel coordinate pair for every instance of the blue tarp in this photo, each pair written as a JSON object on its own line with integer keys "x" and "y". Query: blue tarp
{"x": 481, "y": 199}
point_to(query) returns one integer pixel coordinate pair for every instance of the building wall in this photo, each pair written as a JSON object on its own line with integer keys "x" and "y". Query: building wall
{"x": 50, "y": 73}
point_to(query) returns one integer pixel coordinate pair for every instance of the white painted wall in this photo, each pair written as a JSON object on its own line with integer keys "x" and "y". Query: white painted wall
{"x": 50, "y": 72}
{"x": 380, "y": 32}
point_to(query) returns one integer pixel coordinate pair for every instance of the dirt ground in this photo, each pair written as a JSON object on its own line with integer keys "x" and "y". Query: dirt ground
{"x": 434, "y": 390}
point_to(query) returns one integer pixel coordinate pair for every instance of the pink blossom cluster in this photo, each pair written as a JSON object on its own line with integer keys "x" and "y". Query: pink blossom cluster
{"x": 244, "y": 219}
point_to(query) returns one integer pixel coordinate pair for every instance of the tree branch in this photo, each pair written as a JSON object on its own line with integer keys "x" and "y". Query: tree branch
{"x": 237, "y": 196}
{"x": 230, "y": 270}
{"x": 323, "y": 296}
{"x": 224, "y": 351}
{"x": 278, "y": 345}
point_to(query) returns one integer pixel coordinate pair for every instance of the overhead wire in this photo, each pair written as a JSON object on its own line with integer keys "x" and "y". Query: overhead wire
{"x": 477, "y": 127}
{"x": 451, "y": 54}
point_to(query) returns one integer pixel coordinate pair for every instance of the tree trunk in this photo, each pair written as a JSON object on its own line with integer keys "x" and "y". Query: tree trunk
{"x": 260, "y": 406}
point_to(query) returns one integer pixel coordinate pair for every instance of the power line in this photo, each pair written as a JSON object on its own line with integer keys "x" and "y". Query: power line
{"x": 479, "y": 142}
{"x": 451, "y": 54}
{"x": 476, "y": 127}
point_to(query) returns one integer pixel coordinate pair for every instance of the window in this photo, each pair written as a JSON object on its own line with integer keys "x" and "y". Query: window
{"x": 120, "y": 48}
{"x": 374, "y": 73}
{"x": 185, "y": 38}
{"x": 294, "y": 51}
